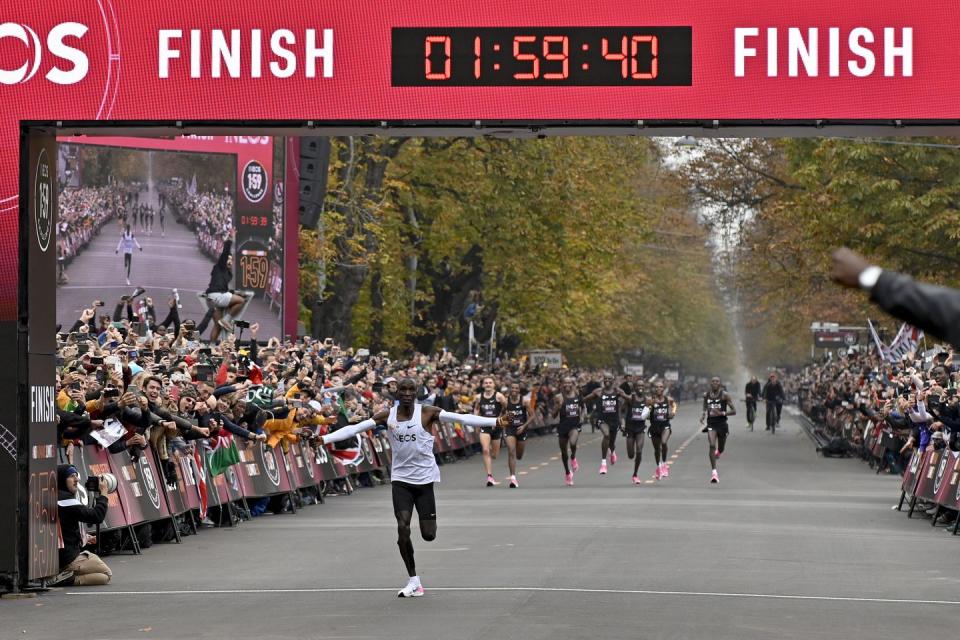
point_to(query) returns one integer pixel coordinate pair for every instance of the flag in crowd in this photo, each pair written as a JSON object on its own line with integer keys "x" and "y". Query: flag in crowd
{"x": 906, "y": 342}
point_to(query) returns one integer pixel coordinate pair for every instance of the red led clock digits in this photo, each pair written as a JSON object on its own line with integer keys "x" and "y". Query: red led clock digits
{"x": 563, "y": 55}
{"x": 428, "y": 51}
{"x": 621, "y": 56}
{"x": 534, "y": 72}
{"x": 654, "y": 52}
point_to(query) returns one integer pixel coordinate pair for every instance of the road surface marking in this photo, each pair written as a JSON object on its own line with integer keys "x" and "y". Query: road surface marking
{"x": 648, "y": 592}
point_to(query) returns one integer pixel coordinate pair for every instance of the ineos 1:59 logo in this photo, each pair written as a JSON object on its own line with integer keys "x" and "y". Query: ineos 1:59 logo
{"x": 56, "y": 46}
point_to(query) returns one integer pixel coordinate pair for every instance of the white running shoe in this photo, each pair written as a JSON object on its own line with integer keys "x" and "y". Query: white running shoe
{"x": 412, "y": 590}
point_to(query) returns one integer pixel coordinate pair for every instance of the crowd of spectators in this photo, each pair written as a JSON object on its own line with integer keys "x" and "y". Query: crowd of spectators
{"x": 861, "y": 397}
{"x": 209, "y": 215}
{"x": 82, "y": 213}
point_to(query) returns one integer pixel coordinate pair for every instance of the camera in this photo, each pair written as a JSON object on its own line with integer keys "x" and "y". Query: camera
{"x": 241, "y": 324}
{"x": 93, "y": 483}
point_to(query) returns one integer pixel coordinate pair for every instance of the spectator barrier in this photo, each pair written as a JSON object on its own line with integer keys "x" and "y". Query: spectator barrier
{"x": 144, "y": 495}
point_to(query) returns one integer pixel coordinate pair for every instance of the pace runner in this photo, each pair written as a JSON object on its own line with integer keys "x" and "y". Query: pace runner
{"x": 716, "y": 401}
{"x": 662, "y": 410}
{"x": 521, "y": 415}
{"x": 569, "y": 408}
{"x": 414, "y": 470}
{"x": 752, "y": 393}
{"x": 637, "y": 414}
{"x": 607, "y": 398}
{"x": 490, "y": 403}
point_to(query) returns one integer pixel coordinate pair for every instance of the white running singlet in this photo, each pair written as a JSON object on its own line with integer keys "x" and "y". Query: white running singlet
{"x": 413, "y": 459}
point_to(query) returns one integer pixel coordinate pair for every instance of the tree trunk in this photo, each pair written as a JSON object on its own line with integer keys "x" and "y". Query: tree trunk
{"x": 359, "y": 212}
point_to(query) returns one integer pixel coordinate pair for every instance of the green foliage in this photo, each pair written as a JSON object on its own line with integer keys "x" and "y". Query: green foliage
{"x": 792, "y": 201}
{"x": 559, "y": 239}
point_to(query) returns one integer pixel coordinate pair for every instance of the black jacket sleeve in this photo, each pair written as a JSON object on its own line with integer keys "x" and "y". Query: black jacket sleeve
{"x": 932, "y": 308}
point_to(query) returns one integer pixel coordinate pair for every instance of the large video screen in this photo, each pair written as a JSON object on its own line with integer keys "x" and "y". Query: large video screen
{"x": 141, "y": 240}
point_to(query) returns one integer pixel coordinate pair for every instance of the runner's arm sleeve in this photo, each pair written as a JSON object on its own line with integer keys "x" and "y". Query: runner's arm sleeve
{"x": 349, "y": 431}
{"x": 467, "y": 419}
{"x": 645, "y": 414}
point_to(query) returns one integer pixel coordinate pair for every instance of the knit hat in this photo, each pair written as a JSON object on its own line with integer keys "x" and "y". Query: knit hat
{"x": 64, "y": 471}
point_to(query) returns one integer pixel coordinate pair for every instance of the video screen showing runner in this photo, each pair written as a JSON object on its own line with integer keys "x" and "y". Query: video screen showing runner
{"x": 142, "y": 236}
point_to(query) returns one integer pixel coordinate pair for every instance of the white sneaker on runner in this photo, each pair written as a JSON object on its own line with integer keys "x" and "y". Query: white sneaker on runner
{"x": 412, "y": 590}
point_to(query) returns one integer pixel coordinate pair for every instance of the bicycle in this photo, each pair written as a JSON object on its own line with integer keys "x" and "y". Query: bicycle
{"x": 773, "y": 415}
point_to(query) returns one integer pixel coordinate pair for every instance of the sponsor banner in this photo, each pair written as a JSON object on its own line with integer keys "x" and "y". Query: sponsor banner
{"x": 187, "y": 495}
{"x": 263, "y": 468}
{"x": 875, "y": 444}
{"x": 832, "y": 339}
{"x": 140, "y": 486}
{"x": 385, "y": 453}
{"x": 356, "y": 454}
{"x": 946, "y": 488}
{"x": 926, "y": 475}
{"x": 91, "y": 460}
{"x": 441, "y": 444}
{"x": 326, "y": 467}
{"x": 453, "y": 433}
{"x": 310, "y": 472}
{"x": 911, "y": 473}
{"x": 296, "y": 467}
{"x": 227, "y": 485}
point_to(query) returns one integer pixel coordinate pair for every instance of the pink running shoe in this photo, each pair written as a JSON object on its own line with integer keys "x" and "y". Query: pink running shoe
{"x": 569, "y": 480}
{"x": 513, "y": 482}
{"x": 491, "y": 481}
{"x": 613, "y": 457}
{"x": 666, "y": 471}
{"x": 717, "y": 453}
{"x": 714, "y": 478}
{"x": 656, "y": 472}
{"x": 635, "y": 480}
{"x": 574, "y": 465}
{"x": 603, "y": 467}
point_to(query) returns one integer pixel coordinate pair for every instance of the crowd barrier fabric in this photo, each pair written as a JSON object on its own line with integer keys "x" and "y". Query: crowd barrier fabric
{"x": 925, "y": 480}
{"x": 94, "y": 461}
{"x": 946, "y": 483}
{"x": 144, "y": 494}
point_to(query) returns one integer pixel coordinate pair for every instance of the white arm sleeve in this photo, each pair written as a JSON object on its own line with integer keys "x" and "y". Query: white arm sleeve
{"x": 645, "y": 414}
{"x": 349, "y": 431}
{"x": 467, "y": 419}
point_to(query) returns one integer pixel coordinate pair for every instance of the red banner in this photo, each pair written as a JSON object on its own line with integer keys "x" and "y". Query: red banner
{"x": 947, "y": 481}
{"x": 925, "y": 477}
{"x": 298, "y": 62}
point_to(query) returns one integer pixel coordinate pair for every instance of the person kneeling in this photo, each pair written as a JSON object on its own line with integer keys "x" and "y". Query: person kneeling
{"x": 79, "y": 567}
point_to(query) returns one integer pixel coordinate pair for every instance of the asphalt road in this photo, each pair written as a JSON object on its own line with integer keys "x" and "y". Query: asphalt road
{"x": 171, "y": 260}
{"x": 788, "y": 545}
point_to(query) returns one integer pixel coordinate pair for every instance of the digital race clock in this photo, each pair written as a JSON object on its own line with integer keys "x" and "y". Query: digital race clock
{"x": 542, "y": 56}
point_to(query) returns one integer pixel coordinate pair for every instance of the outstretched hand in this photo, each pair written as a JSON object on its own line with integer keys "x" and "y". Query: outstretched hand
{"x": 847, "y": 267}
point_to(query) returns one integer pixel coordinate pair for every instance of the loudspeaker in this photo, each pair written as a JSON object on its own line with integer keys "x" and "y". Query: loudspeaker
{"x": 314, "y": 165}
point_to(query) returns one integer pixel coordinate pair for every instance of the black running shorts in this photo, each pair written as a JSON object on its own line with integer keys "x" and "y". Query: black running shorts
{"x": 511, "y": 432}
{"x": 408, "y": 496}
{"x": 719, "y": 427}
{"x": 564, "y": 430}
{"x": 636, "y": 430}
{"x": 494, "y": 432}
{"x": 656, "y": 430}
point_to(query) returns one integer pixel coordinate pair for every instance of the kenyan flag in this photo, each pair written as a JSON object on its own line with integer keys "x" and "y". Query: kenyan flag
{"x": 225, "y": 454}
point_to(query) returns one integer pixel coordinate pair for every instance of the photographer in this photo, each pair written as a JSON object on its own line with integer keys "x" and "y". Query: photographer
{"x": 79, "y": 567}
